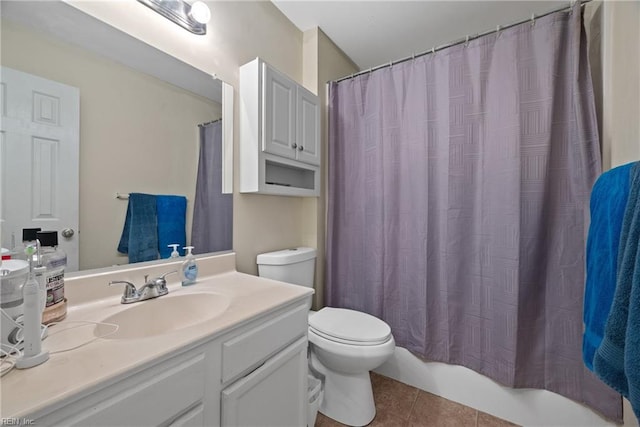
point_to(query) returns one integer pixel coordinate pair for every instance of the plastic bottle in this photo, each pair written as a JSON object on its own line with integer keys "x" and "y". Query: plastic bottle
{"x": 189, "y": 268}
{"x": 55, "y": 261}
{"x": 174, "y": 253}
{"x": 33, "y": 354}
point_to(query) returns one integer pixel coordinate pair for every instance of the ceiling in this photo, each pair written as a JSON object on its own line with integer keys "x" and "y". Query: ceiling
{"x": 372, "y": 33}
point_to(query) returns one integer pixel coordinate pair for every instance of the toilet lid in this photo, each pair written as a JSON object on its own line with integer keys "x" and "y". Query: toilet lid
{"x": 349, "y": 325}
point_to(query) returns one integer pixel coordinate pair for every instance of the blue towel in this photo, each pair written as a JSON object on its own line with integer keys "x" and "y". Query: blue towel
{"x": 608, "y": 200}
{"x": 139, "y": 236}
{"x": 617, "y": 360}
{"x": 172, "y": 213}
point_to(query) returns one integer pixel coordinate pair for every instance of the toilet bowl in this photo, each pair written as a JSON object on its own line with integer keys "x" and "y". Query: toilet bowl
{"x": 344, "y": 344}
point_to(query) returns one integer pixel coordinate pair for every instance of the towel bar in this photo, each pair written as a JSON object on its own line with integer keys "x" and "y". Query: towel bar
{"x": 125, "y": 196}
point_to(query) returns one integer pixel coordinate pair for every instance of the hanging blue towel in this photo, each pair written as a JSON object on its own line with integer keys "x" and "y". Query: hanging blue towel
{"x": 617, "y": 360}
{"x": 139, "y": 236}
{"x": 172, "y": 213}
{"x": 608, "y": 201}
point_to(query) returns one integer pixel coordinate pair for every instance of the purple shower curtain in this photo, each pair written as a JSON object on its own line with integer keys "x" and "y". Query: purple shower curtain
{"x": 213, "y": 211}
{"x": 458, "y": 195}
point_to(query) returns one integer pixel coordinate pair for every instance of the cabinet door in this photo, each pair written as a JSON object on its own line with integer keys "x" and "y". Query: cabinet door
{"x": 275, "y": 394}
{"x": 308, "y": 129}
{"x": 279, "y": 114}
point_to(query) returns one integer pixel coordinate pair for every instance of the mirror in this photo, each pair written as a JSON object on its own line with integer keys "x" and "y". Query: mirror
{"x": 140, "y": 113}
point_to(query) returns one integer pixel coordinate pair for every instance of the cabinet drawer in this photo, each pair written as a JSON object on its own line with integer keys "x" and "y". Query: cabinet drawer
{"x": 249, "y": 349}
{"x": 148, "y": 399}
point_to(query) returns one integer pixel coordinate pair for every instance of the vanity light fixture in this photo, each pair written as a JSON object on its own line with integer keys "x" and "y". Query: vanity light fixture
{"x": 191, "y": 17}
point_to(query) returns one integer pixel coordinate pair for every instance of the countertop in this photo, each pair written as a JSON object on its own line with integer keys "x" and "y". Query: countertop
{"x": 69, "y": 373}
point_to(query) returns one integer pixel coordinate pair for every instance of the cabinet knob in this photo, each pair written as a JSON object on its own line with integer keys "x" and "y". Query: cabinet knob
{"x": 294, "y": 146}
{"x": 301, "y": 148}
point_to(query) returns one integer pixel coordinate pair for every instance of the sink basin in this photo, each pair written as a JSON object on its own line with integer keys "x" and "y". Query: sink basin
{"x": 164, "y": 314}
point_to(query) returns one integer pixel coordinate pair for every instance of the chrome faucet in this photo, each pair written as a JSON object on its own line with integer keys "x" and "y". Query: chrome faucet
{"x": 151, "y": 289}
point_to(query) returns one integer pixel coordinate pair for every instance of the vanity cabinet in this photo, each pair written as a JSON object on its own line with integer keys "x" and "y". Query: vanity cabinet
{"x": 272, "y": 395}
{"x": 169, "y": 393}
{"x": 279, "y": 133}
{"x": 253, "y": 374}
{"x": 261, "y": 373}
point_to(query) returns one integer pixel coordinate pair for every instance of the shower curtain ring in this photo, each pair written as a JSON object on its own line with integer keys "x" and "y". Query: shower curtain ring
{"x": 498, "y": 28}
{"x": 533, "y": 19}
{"x": 466, "y": 41}
{"x": 433, "y": 50}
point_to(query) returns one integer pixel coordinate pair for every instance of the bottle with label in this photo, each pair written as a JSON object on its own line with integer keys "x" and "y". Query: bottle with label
{"x": 55, "y": 261}
{"x": 189, "y": 268}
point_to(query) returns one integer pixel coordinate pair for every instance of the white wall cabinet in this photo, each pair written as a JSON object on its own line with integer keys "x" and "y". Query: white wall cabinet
{"x": 279, "y": 133}
{"x": 252, "y": 374}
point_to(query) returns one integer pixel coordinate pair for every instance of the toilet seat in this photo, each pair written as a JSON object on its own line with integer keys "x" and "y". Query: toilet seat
{"x": 349, "y": 327}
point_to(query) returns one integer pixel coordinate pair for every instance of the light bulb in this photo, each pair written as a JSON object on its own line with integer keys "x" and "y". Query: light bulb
{"x": 200, "y": 12}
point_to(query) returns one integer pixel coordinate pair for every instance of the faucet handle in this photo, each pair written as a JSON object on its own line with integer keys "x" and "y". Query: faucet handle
{"x": 166, "y": 274}
{"x": 161, "y": 282}
{"x": 130, "y": 293}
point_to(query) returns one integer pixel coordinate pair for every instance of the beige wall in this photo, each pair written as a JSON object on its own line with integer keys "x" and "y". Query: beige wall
{"x": 621, "y": 95}
{"x": 237, "y": 33}
{"x": 137, "y": 134}
{"x": 323, "y": 61}
{"x": 621, "y": 82}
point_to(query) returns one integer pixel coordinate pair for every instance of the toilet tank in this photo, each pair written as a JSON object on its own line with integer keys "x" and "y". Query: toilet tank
{"x": 295, "y": 266}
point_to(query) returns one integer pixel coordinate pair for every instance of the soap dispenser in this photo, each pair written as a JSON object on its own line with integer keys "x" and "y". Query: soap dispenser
{"x": 189, "y": 268}
{"x": 174, "y": 253}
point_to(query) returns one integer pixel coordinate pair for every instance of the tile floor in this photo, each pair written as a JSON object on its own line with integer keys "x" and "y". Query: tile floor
{"x": 400, "y": 405}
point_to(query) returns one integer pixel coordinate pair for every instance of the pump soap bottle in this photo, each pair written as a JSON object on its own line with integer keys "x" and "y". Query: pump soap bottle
{"x": 189, "y": 268}
{"x": 174, "y": 253}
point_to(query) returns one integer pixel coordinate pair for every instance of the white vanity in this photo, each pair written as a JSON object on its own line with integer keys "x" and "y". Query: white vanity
{"x": 172, "y": 361}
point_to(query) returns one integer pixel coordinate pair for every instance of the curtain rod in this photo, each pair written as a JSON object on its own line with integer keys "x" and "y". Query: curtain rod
{"x": 461, "y": 41}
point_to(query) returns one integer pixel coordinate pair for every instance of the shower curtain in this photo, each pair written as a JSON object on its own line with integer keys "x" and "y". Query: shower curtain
{"x": 213, "y": 211}
{"x": 458, "y": 204}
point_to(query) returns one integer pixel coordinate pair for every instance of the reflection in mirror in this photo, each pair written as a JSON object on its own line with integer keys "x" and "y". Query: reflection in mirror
{"x": 131, "y": 115}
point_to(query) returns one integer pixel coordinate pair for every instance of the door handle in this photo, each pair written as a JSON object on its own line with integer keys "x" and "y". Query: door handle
{"x": 67, "y": 233}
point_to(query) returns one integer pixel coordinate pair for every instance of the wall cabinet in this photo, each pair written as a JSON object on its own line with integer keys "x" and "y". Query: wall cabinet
{"x": 253, "y": 374}
{"x": 279, "y": 133}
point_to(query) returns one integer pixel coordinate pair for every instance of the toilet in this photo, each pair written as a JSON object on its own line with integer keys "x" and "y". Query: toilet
{"x": 344, "y": 344}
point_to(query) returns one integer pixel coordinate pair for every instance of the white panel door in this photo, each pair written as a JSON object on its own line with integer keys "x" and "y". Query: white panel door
{"x": 308, "y": 122}
{"x": 279, "y": 114}
{"x": 39, "y": 133}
